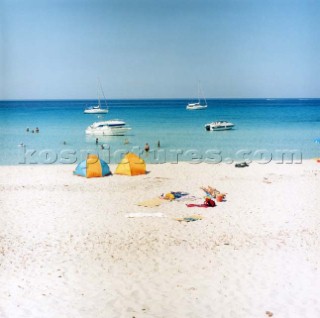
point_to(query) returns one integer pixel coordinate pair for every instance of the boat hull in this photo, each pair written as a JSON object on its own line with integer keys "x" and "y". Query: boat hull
{"x": 197, "y": 107}
{"x": 114, "y": 127}
{"x": 219, "y": 127}
{"x": 108, "y": 131}
{"x": 96, "y": 111}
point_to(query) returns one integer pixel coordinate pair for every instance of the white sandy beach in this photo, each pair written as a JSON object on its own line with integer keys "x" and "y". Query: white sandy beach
{"x": 67, "y": 248}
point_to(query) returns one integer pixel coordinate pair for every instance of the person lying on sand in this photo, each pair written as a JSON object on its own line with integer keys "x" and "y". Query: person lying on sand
{"x": 211, "y": 191}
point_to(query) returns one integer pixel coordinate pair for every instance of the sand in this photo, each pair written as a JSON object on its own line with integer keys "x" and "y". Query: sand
{"x": 68, "y": 249}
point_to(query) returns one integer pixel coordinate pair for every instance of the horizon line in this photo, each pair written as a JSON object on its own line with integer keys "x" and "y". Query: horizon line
{"x": 161, "y": 98}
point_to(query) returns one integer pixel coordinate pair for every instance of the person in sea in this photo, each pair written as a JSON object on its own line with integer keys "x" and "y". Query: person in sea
{"x": 146, "y": 147}
{"x": 158, "y": 143}
{"x": 97, "y": 140}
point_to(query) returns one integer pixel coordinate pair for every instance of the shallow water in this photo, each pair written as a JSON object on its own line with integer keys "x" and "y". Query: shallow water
{"x": 263, "y": 126}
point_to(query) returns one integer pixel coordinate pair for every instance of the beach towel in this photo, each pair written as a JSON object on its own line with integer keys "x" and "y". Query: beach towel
{"x": 174, "y": 195}
{"x": 188, "y": 198}
{"x": 191, "y": 218}
{"x": 192, "y": 205}
{"x": 151, "y": 203}
{"x": 207, "y": 204}
{"x": 179, "y": 194}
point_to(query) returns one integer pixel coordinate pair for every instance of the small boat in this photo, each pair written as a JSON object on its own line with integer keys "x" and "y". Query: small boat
{"x": 198, "y": 105}
{"x": 219, "y": 125}
{"x": 97, "y": 109}
{"x": 114, "y": 127}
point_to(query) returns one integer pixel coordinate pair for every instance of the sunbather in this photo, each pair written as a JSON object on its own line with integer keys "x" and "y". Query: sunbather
{"x": 210, "y": 191}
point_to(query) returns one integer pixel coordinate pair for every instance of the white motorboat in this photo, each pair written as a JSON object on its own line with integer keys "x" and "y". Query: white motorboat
{"x": 219, "y": 125}
{"x": 113, "y": 127}
{"x": 198, "y": 105}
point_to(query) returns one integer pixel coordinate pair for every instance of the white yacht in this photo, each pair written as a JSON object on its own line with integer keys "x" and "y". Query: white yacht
{"x": 96, "y": 110}
{"x": 198, "y": 105}
{"x": 113, "y": 127}
{"x": 219, "y": 125}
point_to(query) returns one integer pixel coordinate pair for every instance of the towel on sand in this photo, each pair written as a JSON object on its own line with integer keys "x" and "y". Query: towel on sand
{"x": 188, "y": 198}
{"x": 206, "y": 204}
{"x": 151, "y": 203}
{"x": 191, "y": 218}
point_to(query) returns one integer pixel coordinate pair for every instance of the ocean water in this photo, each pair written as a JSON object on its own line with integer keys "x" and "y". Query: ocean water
{"x": 264, "y": 129}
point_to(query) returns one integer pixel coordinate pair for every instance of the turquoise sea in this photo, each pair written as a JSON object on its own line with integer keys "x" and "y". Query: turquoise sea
{"x": 264, "y": 128}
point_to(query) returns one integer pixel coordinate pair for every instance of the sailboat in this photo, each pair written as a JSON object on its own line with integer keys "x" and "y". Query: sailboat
{"x": 198, "y": 105}
{"x": 97, "y": 109}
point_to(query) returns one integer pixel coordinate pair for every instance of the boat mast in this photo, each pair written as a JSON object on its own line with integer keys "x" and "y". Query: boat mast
{"x": 99, "y": 104}
{"x": 205, "y": 101}
{"x": 105, "y": 100}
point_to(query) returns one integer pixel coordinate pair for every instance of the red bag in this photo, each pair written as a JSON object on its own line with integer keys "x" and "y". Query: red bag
{"x": 209, "y": 202}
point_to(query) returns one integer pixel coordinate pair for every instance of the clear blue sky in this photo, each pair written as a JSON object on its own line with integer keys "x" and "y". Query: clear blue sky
{"x": 159, "y": 48}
